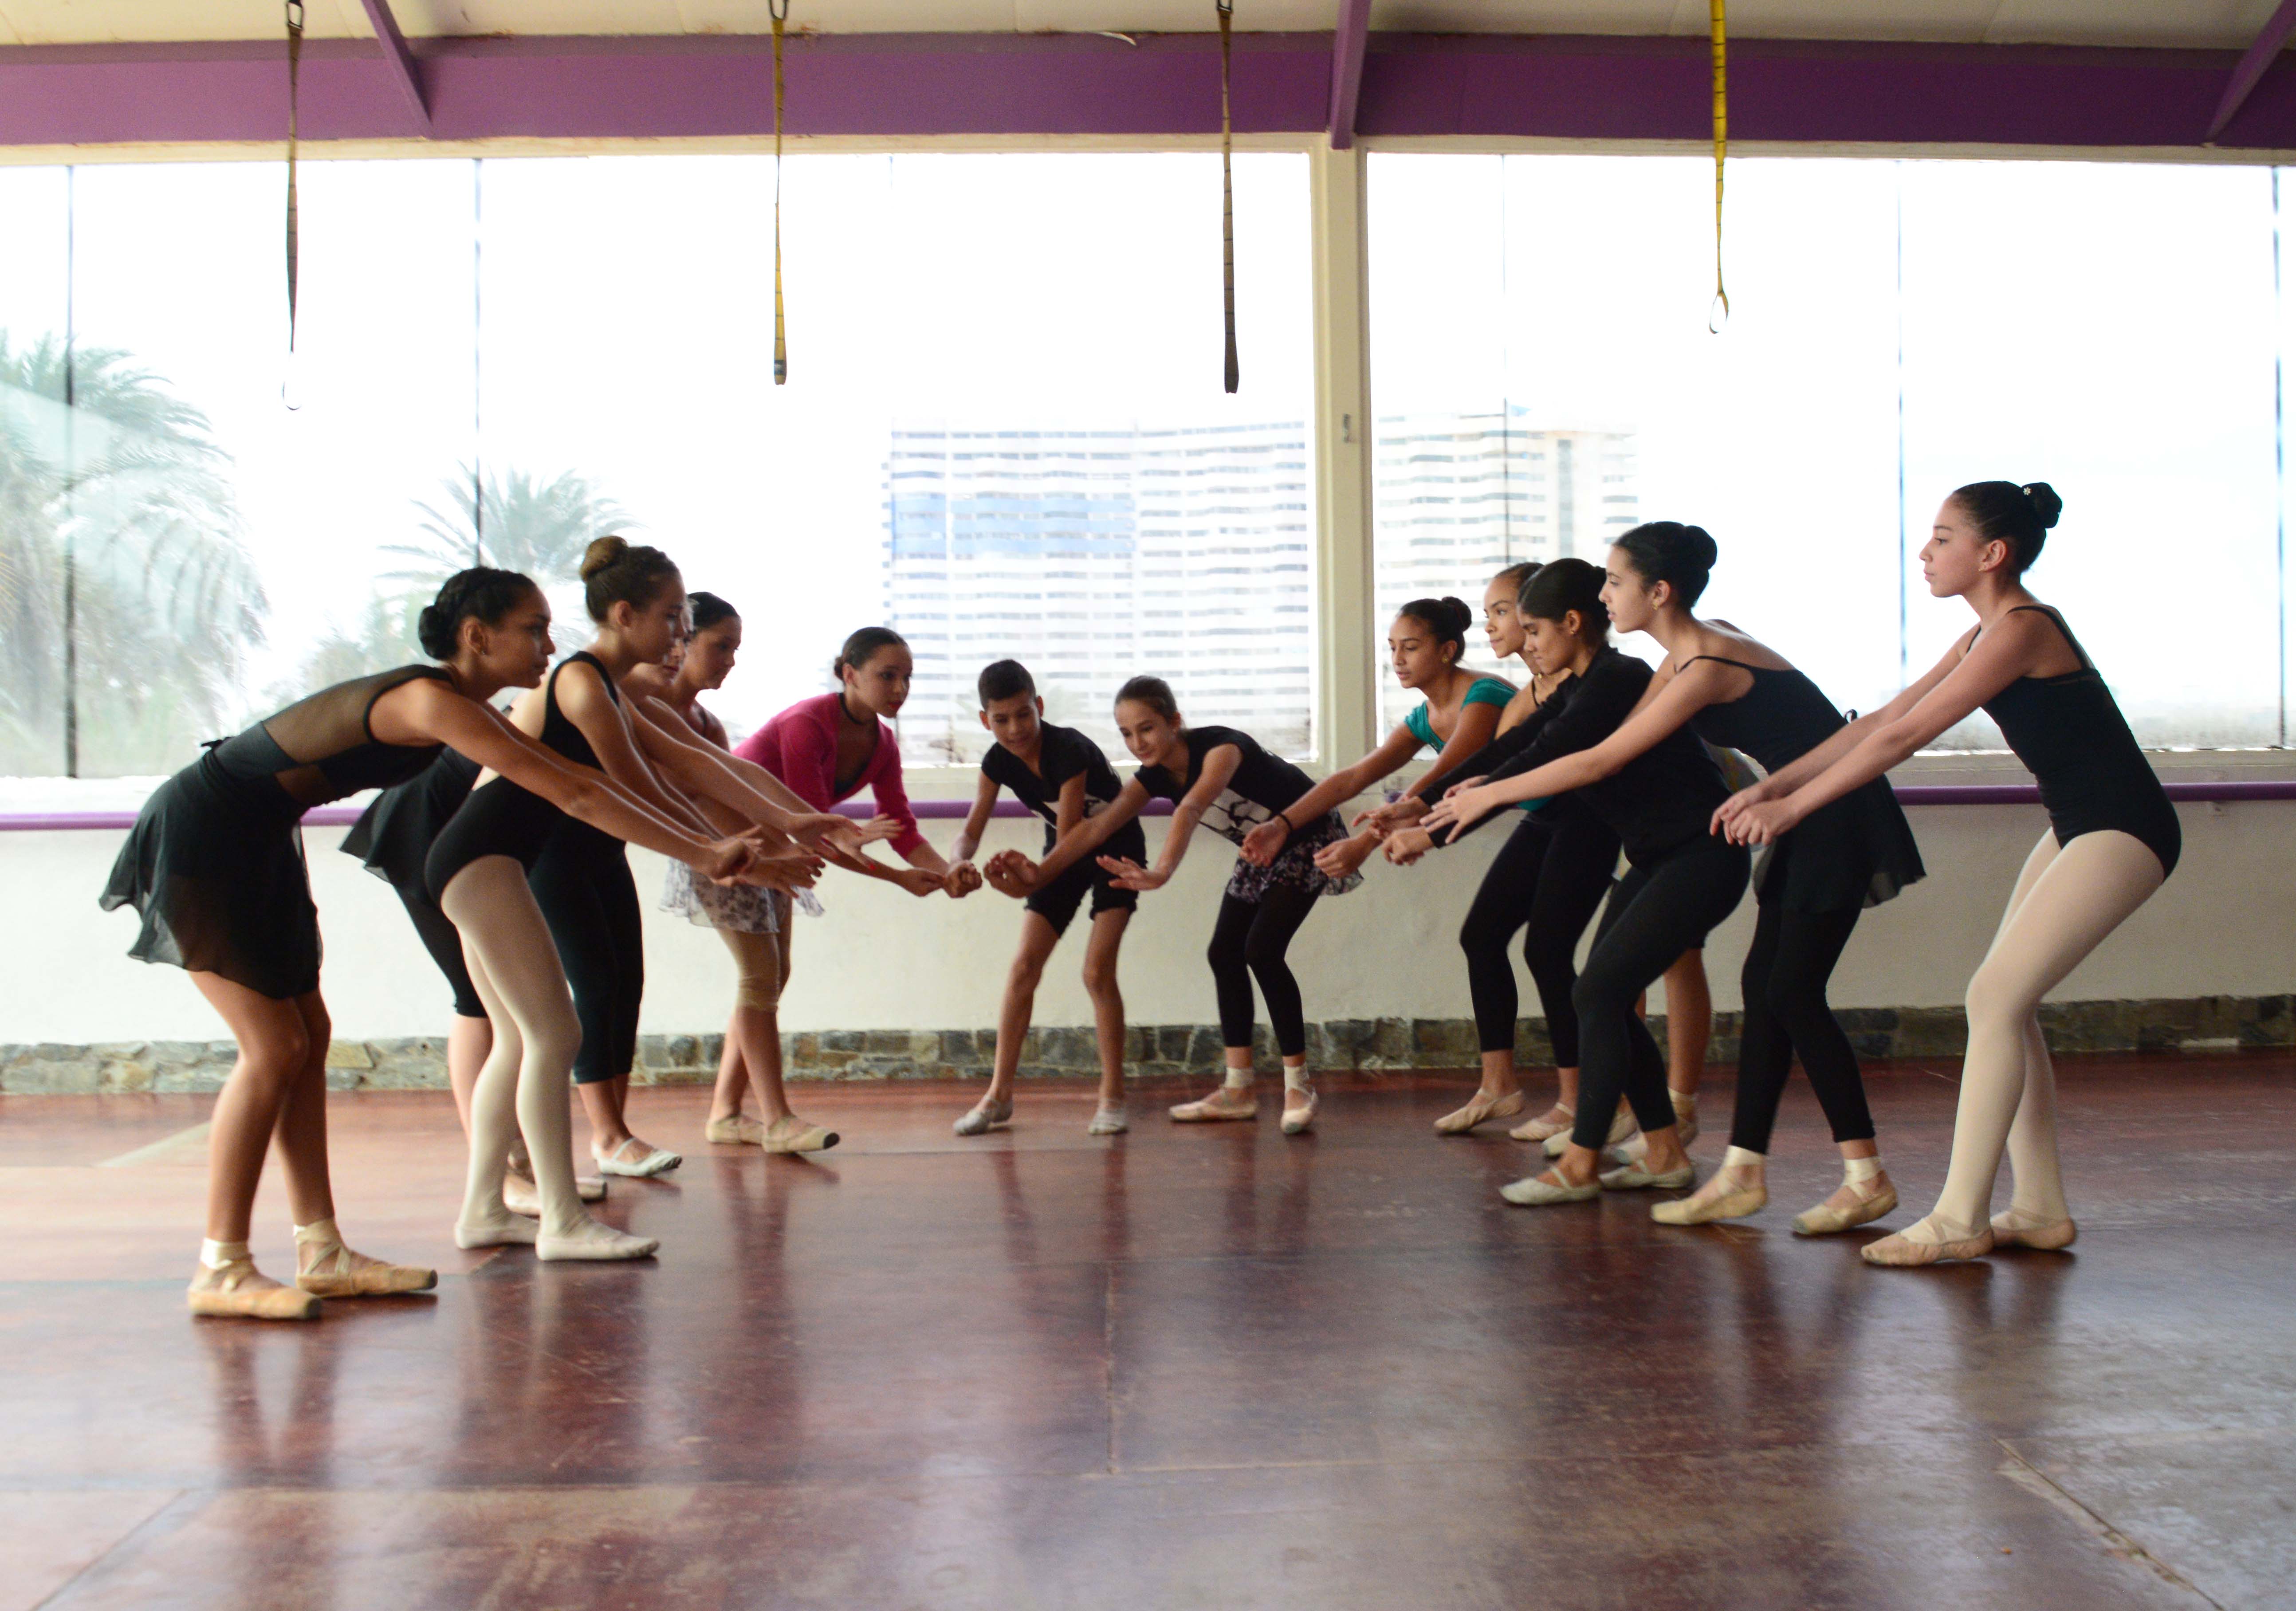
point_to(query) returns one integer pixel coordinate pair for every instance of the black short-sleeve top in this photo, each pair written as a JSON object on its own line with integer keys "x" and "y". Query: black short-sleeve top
{"x": 1065, "y": 754}
{"x": 1263, "y": 784}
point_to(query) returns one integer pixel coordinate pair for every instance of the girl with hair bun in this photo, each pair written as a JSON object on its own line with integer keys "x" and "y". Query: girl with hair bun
{"x": 2113, "y": 838}
{"x": 581, "y": 879}
{"x": 1735, "y": 693}
{"x": 214, "y": 867}
{"x": 822, "y": 750}
{"x": 1223, "y": 779}
{"x": 1458, "y": 716}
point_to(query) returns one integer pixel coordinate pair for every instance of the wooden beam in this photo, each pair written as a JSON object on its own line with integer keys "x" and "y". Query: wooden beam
{"x": 1348, "y": 42}
{"x": 400, "y": 60}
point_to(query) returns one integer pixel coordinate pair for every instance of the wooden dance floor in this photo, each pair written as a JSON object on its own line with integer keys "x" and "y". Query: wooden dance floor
{"x": 1195, "y": 1366}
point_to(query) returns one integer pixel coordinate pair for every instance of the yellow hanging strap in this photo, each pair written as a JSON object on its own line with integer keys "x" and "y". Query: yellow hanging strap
{"x": 1226, "y": 9}
{"x": 294, "y": 77}
{"x": 1717, "y": 312}
{"x": 779, "y": 12}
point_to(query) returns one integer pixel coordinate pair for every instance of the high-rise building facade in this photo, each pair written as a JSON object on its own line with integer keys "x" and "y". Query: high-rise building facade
{"x": 1186, "y": 553}
{"x": 1459, "y": 497}
{"x": 1092, "y": 556}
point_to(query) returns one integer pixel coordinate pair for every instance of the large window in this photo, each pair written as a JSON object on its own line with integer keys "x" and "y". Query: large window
{"x": 1544, "y": 379}
{"x": 1003, "y": 433}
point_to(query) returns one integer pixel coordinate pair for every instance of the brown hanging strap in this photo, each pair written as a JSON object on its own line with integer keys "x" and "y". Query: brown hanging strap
{"x": 779, "y": 12}
{"x": 1226, "y": 9}
{"x": 1717, "y": 312}
{"x": 294, "y": 227}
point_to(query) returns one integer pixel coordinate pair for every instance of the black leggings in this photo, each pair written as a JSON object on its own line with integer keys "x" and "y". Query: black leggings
{"x": 591, "y": 903}
{"x": 1659, "y": 910}
{"x": 1787, "y": 968}
{"x": 1549, "y": 876}
{"x": 1248, "y": 943}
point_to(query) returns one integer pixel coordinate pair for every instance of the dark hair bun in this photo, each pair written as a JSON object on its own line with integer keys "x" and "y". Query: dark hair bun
{"x": 602, "y": 553}
{"x": 2046, "y": 504}
{"x": 481, "y": 592}
{"x": 1669, "y": 551}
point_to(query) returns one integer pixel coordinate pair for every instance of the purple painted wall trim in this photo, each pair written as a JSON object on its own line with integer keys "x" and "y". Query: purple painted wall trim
{"x": 1911, "y": 794}
{"x": 925, "y": 85}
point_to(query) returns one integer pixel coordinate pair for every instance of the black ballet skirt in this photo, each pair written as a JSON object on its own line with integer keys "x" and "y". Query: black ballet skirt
{"x": 1854, "y": 852}
{"x": 214, "y": 862}
{"x": 396, "y": 832}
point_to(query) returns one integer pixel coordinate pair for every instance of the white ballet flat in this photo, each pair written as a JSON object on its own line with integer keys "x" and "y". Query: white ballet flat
{"x": 654, "y": 1160}
{"x": 985, "y": 1116}
{"x": 1533, "y": 1192}
{"x": 1634, "y": 1177}
{"x": 1109, "y": 1121}
{"x": 1297, "y": 1120}
{"x": 1622, "y": 1125}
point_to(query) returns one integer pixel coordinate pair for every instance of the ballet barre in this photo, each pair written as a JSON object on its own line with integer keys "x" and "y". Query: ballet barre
{"x": 1908, "y": 794}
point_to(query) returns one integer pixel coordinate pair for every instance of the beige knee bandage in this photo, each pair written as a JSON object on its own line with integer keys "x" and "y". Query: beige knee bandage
{"x": 763, "y": 963}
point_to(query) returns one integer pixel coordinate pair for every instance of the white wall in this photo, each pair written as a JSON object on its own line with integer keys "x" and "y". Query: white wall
{"x": 2225, "y": 925}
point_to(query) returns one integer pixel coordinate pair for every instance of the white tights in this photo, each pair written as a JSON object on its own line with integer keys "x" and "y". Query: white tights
{"x": 524, "y": 1082}
{"x": 2066, "y": 902}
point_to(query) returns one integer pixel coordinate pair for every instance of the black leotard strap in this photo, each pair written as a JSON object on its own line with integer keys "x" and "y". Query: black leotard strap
{"x": 2058, "y": 621}
{"x": 1723, "y": 660}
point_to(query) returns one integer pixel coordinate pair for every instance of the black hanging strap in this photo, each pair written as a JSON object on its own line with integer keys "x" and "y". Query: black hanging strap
{"x": 1226, "y": 9}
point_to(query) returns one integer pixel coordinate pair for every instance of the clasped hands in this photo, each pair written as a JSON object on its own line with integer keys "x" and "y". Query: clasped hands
{"x": 1013, "y": 873}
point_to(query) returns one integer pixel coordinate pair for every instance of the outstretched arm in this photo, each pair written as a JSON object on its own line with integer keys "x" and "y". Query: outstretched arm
{"x": 1220, "y": 763}
{"x": 2002, "y": 653}
{"x": 1266, "y": 842}
{"x": 1654, "y": 717}
{"x": 1090, "y": 835}
{"x": 709, "y": 773}
{"x": 427, "y": 712}
{"x": 591, "y": 707}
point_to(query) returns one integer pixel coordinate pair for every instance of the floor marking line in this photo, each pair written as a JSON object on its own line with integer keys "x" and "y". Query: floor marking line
{"x": 2029, "y": 1476}
{"x": 159, "y": 1148}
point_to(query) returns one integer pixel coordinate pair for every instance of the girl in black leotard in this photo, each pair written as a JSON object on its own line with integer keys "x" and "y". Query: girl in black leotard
{"x": 214, "y": 865}
{"x": 2112, "y": 840}
{"x": 1735, "y": 693}
{"x": 1682, "y": 880}
{"x": 580, "y": 878}
{"x": 1223, "y": 779}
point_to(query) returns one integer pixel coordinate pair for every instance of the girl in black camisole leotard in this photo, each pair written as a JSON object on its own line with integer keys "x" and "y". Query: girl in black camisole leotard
{"x": 2112, "y": 840}
{"x": 214, "y": 865}
{"x": 1721, "y": 688}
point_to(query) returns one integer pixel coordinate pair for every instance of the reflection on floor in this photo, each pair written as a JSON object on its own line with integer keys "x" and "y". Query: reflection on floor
{"x": 1199, "y": 1366}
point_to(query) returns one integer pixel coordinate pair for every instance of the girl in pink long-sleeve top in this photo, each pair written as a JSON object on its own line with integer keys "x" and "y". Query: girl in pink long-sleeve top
{"x": 826, "y": 750}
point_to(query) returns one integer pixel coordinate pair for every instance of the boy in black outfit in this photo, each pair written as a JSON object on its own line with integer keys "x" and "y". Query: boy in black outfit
{"x": 1063, "y": 776}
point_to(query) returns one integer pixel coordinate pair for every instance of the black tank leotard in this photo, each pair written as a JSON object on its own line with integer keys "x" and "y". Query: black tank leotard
{"x": 214, "y": 862}
{"x": 582, "y": 885}
{"x": 2093, "y": 777}
{"x": 500, "y": 818}
{"x": 1854, "y": 852}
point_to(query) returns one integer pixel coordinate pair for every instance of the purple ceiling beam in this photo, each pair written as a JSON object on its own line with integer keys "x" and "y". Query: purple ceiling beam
{"x": 1348, "y": 42}
{"x": 2251, "y": 71}
{"x": 399, "y": 59}
{"x": 896, "y": 85}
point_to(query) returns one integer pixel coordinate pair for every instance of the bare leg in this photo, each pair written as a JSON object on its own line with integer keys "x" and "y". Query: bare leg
{"x": 1107, "y": 1002}
{"x": 732, "y": 1074}
{"x": 1689, "y": 1022}
{"x": 1018, "y": 1009}
{"x": 602, "y": 1105}
{"x": 277, "y": 1056}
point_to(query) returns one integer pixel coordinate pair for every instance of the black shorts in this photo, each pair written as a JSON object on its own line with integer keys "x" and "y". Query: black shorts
{"x": 1057, "y": 902}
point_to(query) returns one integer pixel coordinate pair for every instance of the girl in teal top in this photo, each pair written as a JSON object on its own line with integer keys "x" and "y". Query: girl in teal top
{"x": 1460, "y": 717}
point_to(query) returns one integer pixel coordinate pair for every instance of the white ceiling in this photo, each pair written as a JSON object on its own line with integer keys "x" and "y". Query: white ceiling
{"x": 2224, "y": 24}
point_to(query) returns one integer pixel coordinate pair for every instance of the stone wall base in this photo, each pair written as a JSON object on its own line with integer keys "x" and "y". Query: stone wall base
{"x": 2209, "y": 1024}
